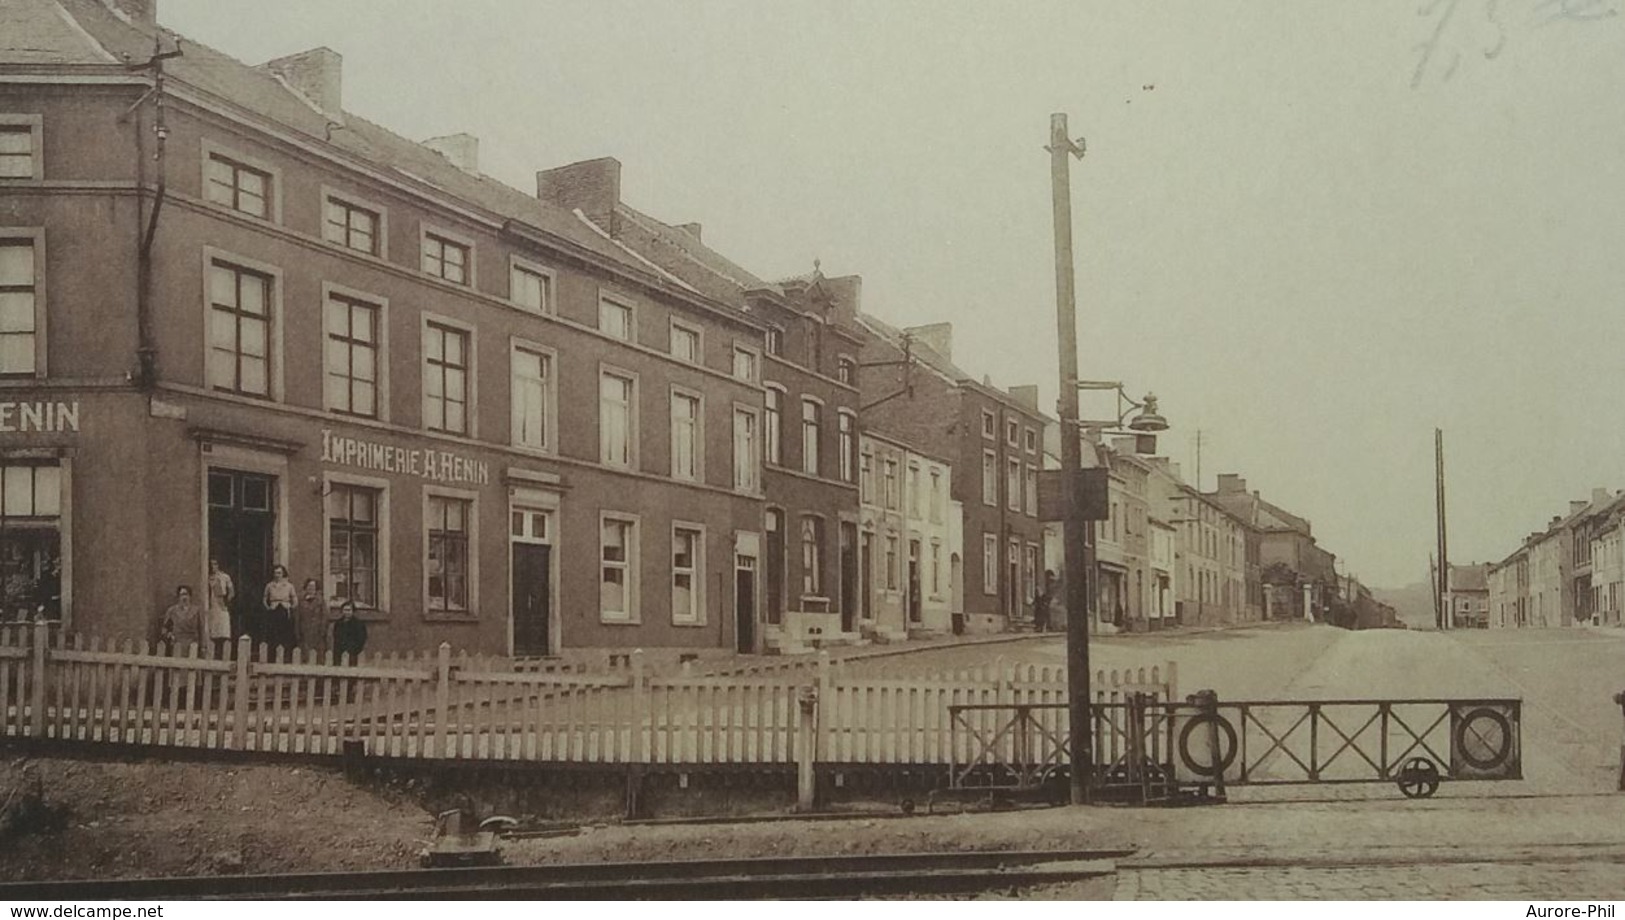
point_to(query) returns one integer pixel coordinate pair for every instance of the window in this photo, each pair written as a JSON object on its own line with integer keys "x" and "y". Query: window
{"x": 687, "y": 574}
{"x": 448, "y": 553}
{"x": 19, "y": 147}
{"x": 744, "y": 364}
{"x": 990, "y": 564}
{"x": 990, "y": 478}
{"x": 915, "y": 507}
{"x": 615, "y": 318}
{"x": 685, "y": 343}
{"x": 936, "y": 495}
{"x": 532, "y": 398}
{"x": 889, "y": 483}
{"x": 617, "y": 578}
{"x": 990, "y": 424}
{"x": 847, "y": 424}
{"x": 1012, "y": 433}
{"x": 445, "y": 258}
{"x": 352, "y": 357}
{"x": 530, "y": 288}
{"x": 685, "y": 436}
{"x": 616, "y": 420}
{"x": 1029, "y": 571}
{"x": 350, "y": 226}
{"x": 775, "y": 425}
{"x": 238, "y": 186}
{"x": 810, "y": 427}
{"x": 239, "y": 330}
{"x": 18, "y": 291}
{"x": 1032, "y": 441}
{"x": 445, "y": 379}
{"x": 812, "y": 556}
{"x": 31, "y": 540}
{"x": 866, "y": 478}
{"x": 352, "y": 528}
{"x": 1031, "y": 503}
{"x": 891, "y": 562}
{"x": 774, "y": 340}
{"x": 745, "y": 451}
{"x": 846, "y": 370}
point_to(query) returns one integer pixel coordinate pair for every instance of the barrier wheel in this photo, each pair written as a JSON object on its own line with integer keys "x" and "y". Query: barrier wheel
{"x": 1419, "y": 778}
{"x": 907, "y": 805}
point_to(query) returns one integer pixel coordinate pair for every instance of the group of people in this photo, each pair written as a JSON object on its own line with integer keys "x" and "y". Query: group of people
{"x": 285, "y": 619}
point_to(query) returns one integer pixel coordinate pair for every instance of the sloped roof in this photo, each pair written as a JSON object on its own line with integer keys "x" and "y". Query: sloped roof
{"x": 681, "y": 253}
{"x": 43, "y": 32}
{"x": 266, "y": 95}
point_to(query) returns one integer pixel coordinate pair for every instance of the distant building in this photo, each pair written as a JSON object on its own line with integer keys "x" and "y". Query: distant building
{"x": 1469, "y": 596}
{"x": 1297, "y": 577}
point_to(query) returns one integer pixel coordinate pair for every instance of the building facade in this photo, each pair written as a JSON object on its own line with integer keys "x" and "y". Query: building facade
{"x": 913, "y": 392}
{"x": 458, "y": 405}
{"x": 906, "y": 542}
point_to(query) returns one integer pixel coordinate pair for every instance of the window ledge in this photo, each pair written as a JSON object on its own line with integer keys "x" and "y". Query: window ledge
{"x": 619, "y": 621}
{"x": 689, "y": 625}
{"x": 450, "y": 616}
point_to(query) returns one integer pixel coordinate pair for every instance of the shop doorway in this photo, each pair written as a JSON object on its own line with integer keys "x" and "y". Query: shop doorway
{"x": 914, "y": 615}
{"x": 849, "y": 575}
{"x": 242, "y": 536}
{"x": 745, "y": 603}
{"x": 531, "y": 582}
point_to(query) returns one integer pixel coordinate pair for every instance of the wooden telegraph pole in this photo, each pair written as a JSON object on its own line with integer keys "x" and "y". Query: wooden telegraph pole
{"x": 1442, "y": 589}
{"x": 1076, "y": 528}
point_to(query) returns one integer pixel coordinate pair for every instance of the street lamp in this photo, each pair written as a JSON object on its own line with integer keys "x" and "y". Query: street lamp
{"x": 1078, "y": 516}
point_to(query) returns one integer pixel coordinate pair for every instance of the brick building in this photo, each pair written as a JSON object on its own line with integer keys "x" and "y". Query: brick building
{"x": 994, "y": 439}
{"x": 472, "y": 411}
{"x": 804, "y": 415}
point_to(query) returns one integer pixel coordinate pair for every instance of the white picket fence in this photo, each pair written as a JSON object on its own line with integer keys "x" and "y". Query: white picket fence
{"x": 445, "y": 706}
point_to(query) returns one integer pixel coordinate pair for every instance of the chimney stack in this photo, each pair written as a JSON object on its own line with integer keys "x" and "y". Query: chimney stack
{"x": 463, "y": 150}
{"x": 848, "y": 293}
{"x": 1577, "y": 505}
{"x": 1600, "y": 495}
{"x": 939, "y": 336}
{"x": 592, "y": 187}
{"x": 691, "y": 229}
{"x": 1027, "y": 395}
{"x": 1232, "y": 483}
{"x": 140, "y": 12}
{"x": 317, "y": 74}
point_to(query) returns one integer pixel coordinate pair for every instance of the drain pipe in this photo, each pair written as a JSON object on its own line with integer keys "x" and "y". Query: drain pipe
{"x": 146, "y": 349}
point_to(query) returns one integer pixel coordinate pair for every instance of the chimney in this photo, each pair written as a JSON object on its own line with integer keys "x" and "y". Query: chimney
{"x": 1577, "y": 505}
{"x": 140, "y": 12}
{"x": 592, "y": 187}
{"x": 939, "y": 336}
{"x": 1231, "y": 483}
{"x": 1124, "y": 445}
{"x": 848, "y": 293}
{"x": 1598, "y": 496}
{"x": 1027, "y": 395}
{"x": 691, "y": 229}
{"x": 463, "y": 150}
{"x": 317, "y": 74}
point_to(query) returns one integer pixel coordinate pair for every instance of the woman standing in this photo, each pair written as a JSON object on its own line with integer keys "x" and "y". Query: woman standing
{"x": 217, "y": 620}
{"x": 310, "y": 619}
{"x": 280, "y": 598}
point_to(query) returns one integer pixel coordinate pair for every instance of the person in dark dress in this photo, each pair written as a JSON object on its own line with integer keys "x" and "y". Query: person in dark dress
{"x": 1041, "y": 602}
{"x": 349, "y": 634}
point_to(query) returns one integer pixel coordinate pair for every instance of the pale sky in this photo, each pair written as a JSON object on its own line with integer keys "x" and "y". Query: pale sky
{"x": 1313, "y": 245}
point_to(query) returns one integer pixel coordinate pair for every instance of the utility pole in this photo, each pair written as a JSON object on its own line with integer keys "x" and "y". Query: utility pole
{"x": 1076, "y": 529}
{"x": 1443, "y": 587}
{"x": 1198, "y": 459}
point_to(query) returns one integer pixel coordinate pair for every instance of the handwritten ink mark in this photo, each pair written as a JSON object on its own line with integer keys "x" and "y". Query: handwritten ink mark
{"x": 1432, "y": 44}
{"x": 1575, "y": 11}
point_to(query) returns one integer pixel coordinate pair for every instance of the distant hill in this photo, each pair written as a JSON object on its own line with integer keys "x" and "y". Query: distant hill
{"x": 1413, "y": 603}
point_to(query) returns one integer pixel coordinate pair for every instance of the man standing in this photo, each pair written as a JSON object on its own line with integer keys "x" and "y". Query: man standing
{"x": 1041, "y": 602}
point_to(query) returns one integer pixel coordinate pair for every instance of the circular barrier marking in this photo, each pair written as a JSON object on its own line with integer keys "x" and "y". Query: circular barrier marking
{"x": 1227, "y": 744}
{"x": 1419, "y": 778}
{"x": 1484, "y": 738}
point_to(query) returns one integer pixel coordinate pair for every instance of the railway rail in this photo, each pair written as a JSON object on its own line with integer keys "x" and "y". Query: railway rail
{"x": 761, "y": 878}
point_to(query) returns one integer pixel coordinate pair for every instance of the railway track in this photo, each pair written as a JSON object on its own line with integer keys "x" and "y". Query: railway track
{"x": 798, "y": 877}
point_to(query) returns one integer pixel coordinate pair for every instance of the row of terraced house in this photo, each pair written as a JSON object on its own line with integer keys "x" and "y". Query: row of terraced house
{"x": 241, "y": 324}
{"x": 1569, "y": 573}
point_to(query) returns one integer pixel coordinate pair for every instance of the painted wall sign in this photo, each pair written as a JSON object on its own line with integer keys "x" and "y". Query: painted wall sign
{"x": 427, "y": 462}
{"x": 39, "y": 416}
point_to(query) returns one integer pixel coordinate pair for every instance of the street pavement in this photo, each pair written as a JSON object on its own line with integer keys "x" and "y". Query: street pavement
{"x": 1557, "y": 833}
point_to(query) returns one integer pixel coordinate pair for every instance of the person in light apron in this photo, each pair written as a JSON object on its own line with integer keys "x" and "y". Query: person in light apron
{"x": 217, "y": 618}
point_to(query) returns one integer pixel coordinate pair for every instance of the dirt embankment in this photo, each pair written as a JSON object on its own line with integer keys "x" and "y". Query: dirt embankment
{"x": 118, "y": 820}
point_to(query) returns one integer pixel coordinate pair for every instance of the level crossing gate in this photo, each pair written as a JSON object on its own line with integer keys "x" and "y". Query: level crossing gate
{"x": 1146, "y": 748}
